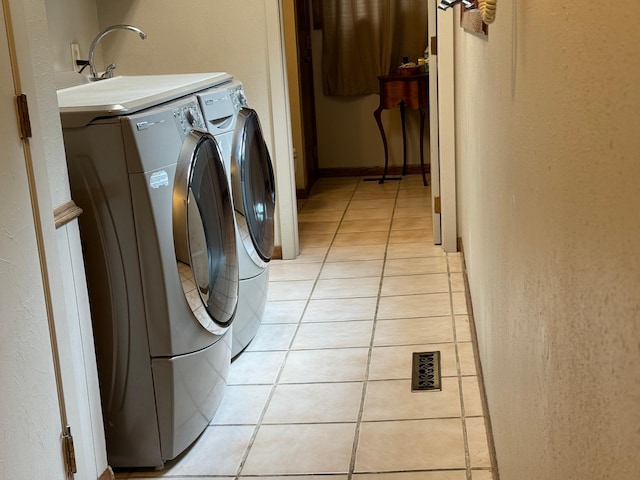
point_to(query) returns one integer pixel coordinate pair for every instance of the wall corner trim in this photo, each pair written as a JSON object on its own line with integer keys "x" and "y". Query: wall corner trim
{"x": 66, "y": 213}
{"x": 107, "y": 475}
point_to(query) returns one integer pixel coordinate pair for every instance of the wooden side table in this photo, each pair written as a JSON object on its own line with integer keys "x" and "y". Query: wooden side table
{"x": 405, "y": 91}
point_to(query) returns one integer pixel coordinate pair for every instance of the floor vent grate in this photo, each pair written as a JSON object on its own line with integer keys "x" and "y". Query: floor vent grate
{"x": 426, "y": 372}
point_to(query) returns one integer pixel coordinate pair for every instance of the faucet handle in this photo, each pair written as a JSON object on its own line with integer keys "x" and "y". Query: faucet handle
{"x": 108, "y": 73}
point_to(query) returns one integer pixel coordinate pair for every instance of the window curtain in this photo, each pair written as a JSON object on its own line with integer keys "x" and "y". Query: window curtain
{"x": 366, "y": 38}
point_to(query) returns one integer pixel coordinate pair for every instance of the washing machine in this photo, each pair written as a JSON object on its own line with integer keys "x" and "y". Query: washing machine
{"x": 237, "y": 129}
{"x": 159, "y": 244}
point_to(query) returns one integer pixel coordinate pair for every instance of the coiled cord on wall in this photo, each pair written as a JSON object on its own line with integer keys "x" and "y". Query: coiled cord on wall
{"x": 488, "y": 10}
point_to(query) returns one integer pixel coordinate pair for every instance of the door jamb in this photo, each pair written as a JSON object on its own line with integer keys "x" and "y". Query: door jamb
{"x": 447, "y": 126}
{"x": 286, "y": 209}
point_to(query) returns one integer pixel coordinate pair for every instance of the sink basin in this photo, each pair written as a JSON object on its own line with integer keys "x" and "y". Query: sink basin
{"x": 121, "y": 95}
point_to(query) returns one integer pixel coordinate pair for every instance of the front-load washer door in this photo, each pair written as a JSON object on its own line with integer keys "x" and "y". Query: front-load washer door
{"x": 253, "y": 186}
{"x": 204, "y": 234}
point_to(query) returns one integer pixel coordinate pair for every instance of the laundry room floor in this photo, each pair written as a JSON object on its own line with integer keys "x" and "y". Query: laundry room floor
{"x": 324, "y": 390}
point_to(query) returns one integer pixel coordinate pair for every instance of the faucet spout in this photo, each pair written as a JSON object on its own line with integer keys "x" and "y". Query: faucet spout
{"x": 101, "y": 35}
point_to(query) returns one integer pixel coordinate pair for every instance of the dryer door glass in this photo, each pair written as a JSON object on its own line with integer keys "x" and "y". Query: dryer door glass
{"x": 203, "y": 217}
{"x": 257, "y": 183}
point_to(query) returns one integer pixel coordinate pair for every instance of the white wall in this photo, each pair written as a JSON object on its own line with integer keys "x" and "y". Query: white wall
{"x": 547, "y": 154}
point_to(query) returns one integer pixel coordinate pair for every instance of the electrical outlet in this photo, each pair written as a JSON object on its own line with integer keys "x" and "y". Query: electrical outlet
{"x": 75, "y": 55}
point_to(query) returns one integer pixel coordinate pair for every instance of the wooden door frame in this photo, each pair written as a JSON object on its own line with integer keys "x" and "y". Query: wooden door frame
{"x": 282, "y": 155}
{"x": 306, "y": 89}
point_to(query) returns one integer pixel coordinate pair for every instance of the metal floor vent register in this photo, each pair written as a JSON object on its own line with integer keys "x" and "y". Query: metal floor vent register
{"x": 426, "y": 372}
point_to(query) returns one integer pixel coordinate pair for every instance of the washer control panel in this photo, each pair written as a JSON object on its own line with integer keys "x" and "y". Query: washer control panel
{"x": 188, "y": 117}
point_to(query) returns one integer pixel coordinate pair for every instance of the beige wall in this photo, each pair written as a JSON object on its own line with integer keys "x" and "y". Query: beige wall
{"x": 70, "y": 21}
{"x": 192, "y": 36}
{"x": 548, "y": 139}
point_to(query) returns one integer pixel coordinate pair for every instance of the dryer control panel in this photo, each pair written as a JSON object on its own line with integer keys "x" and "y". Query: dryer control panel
{"x": 189, "y": 117}
{"x": 238, "y": 97}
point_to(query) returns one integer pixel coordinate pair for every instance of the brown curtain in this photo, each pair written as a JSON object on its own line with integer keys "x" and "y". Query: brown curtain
{"x": 366, "y": 38}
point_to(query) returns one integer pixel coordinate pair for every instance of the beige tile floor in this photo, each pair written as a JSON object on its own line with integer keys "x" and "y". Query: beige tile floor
{"x": 324, "y": 389}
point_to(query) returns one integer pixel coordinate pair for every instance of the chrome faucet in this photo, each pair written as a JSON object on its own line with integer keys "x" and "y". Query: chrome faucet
{"x": 109, "y": 71}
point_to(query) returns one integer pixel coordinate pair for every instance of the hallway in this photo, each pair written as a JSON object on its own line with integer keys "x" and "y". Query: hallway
{"x": 324, "y": 390}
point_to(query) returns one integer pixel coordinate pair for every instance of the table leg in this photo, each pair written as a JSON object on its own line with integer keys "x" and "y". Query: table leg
{"x": 404, "y": 140}
{"x": 377, "y": 115}
{"x": 424, "y": 177}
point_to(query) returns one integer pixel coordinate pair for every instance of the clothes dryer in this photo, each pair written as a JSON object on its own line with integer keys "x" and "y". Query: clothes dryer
{"x": 237, "y": 129}
{"x": 161, "y": 260}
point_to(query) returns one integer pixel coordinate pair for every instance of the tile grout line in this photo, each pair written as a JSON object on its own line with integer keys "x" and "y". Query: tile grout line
{"x": 465, "y": 434}
{"x": 356, "y": 438}
{"x": 276, "y": 381}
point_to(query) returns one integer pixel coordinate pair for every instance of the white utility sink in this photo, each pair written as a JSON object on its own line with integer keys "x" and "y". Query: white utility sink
{"x": 81, "y": 104}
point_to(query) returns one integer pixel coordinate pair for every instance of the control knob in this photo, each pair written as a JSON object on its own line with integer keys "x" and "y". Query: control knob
{"x": 242, "y": 98}
{"x": 191, "y": 116}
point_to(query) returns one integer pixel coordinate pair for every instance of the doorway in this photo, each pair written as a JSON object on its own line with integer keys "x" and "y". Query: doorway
{"x": 442, "y": 157}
